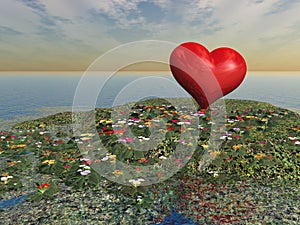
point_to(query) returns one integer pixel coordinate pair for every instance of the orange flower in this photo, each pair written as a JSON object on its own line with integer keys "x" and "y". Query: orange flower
{"x": 159, "y": 175}
{"x": 47, "y": 152}
{"x": 4, "y": 174}
{"x": 142, "y": 160}
{"x": 12, "y": 163}
{"x": 260, "y": 155}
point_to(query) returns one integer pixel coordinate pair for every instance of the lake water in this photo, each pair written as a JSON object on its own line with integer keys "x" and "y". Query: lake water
{"x": 26, "y": 96}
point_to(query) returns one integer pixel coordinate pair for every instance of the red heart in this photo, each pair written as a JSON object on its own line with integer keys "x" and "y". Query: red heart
{"x": 207, "y": 76}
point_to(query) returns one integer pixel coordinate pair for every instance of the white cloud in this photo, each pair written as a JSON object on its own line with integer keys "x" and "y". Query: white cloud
{"x": 15, "y": 15}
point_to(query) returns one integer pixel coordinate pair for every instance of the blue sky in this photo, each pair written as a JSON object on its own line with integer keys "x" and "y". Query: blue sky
{"x": 71, "y": 34}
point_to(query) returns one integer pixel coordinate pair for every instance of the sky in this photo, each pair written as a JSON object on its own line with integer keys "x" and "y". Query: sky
{"x": 68, "y": 35}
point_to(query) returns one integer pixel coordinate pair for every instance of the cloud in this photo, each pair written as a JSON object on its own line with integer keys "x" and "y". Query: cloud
{"x": 283, "y": 5}
{"x": 4, "y": 30}
{"x": 93, "y": 26}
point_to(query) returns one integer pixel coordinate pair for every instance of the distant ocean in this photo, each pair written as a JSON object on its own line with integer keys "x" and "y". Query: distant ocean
{"x": 28, "y": 96}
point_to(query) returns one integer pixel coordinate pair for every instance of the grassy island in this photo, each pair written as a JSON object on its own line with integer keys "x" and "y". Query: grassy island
{"x": 253, "y": 179}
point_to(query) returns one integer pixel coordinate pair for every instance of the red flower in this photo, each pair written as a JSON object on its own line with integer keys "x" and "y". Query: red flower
{"x": 109, "y": 132}
{"x": 43, "y": 186}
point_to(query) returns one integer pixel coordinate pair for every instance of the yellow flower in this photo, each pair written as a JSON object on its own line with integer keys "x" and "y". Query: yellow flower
{"x": 237, "y": 146}
{"x": 264, "y": 120}
{"x": 118, "y": 172}
{"x": 87, "y": 135}
{"x": 18, "y": 146}
{"x": 297, "y": 154}
{"x": 250, "y": 117}
{"x": 212, "y": 153}
{"x": 112, "y": 156}
{"x": 85, "y": 138}
{"x": 204, "y": 146}
{"x": 49, "y": 162}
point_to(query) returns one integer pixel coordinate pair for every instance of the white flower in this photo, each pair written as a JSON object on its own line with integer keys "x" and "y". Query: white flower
{"x": 215, "y": 173}
{"x": 162, "y": 157}
{"x": 140, "y": 199}
{"x": 2, "y": 137}
{"x": 105, "y": 158}
{"x": 136, "y": 182}
{"x": 122, "y": 121}
{"x": 4, "y": 178}
{"x": 297, "y": 143}
{"x": 292, "y": 138}
{"x": 155, "y": 120}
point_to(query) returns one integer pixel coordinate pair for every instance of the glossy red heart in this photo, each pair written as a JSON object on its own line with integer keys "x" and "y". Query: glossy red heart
{"x": 207, "y": 76}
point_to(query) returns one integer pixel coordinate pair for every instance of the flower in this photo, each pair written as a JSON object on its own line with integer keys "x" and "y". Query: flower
{"x": 237, "y": 146}
{"x": 162, "y": 157}
{"x": 205, "y": 146}
{"x": 5, "y": 178}
{"x": 214, "y": 153}
{"x": 43, "y": 187}
{"x": 125, "y": 140}
{"x": 49, "y": 162}
{"x": 215, "y": 173}
{"x": 67, "y": 166}
{"x": 137, "y": 182}
{"x": 85, "y": 172}
{"x": 141, "y": 160}
{"x": 86, "y": 161}
{"x": 260, "y": 155}
{"x": 117, "y": 172}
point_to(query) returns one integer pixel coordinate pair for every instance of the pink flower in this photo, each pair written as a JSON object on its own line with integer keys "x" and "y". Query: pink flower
{"x": 58, "y": 142}
{"x": 261, "y": 142}
{"x": 85, "y": 172}
{"x": 67, "y": 166}
{"x": 178, "y": 160}
{"x": 86, "y": 161}
{"x": 237, "y": 136}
